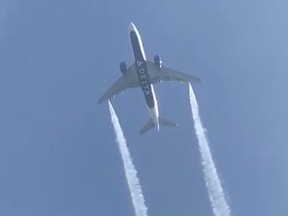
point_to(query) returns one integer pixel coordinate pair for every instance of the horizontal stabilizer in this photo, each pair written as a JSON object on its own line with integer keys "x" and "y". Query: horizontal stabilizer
{"x": 163, "y": 122}
{"x": 167, "y": 123}
{"x": 150, "y": 124}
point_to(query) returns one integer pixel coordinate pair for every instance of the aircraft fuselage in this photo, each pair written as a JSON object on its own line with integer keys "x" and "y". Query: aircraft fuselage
{"x": 143, "y": 75}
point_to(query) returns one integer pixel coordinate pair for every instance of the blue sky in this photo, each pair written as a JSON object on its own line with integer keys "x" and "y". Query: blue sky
{"x": 57, "y": 150}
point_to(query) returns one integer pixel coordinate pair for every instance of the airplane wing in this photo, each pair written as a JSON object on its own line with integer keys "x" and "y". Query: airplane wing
{"x": 127, "y": 80}
{"x": 168, "y": 74}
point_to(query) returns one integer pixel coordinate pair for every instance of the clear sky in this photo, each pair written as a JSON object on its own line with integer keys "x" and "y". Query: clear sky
{"x": 58, "y": 155}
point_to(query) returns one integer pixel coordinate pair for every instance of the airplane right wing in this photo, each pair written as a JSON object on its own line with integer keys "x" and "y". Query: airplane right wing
{"x": 168, "y": 74}
{"x": 127, "y": 80}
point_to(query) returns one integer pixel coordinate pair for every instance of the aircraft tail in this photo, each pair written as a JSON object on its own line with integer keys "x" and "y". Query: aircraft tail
{"x": 163, "y": 122}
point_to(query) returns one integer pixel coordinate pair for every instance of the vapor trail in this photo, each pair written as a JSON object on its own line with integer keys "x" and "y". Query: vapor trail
{"x": 212, "y": 181}
{"x": 130, "y": 171}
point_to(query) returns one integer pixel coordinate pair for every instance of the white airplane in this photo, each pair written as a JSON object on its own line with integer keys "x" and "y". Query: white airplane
{"x": 143, "y": 73}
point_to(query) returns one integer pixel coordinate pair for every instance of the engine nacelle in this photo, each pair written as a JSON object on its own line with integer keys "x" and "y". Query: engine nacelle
{"x": 123, "y": 67}
{"x": 158, "y": 61}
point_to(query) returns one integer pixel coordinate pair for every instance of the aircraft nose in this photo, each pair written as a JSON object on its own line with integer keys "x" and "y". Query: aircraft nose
{"x": 132, "y": 27}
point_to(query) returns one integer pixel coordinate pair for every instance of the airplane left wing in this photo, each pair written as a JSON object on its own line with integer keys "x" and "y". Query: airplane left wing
{"x": 117, "y": 87}
{"x": 168, "y": 74}
{"x": 127, "y": 80}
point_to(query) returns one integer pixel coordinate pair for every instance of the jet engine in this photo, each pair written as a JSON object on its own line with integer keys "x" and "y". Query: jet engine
{"x": 158, "y": 61}
{"x": 123, "y": 67}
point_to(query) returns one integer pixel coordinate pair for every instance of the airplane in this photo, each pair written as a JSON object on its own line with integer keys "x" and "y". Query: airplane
{"x": 144, "y": 74}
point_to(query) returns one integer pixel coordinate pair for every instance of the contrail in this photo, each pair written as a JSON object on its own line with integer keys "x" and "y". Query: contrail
{"x": 212, "y": 181}
{"x": 130, "y": 171}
